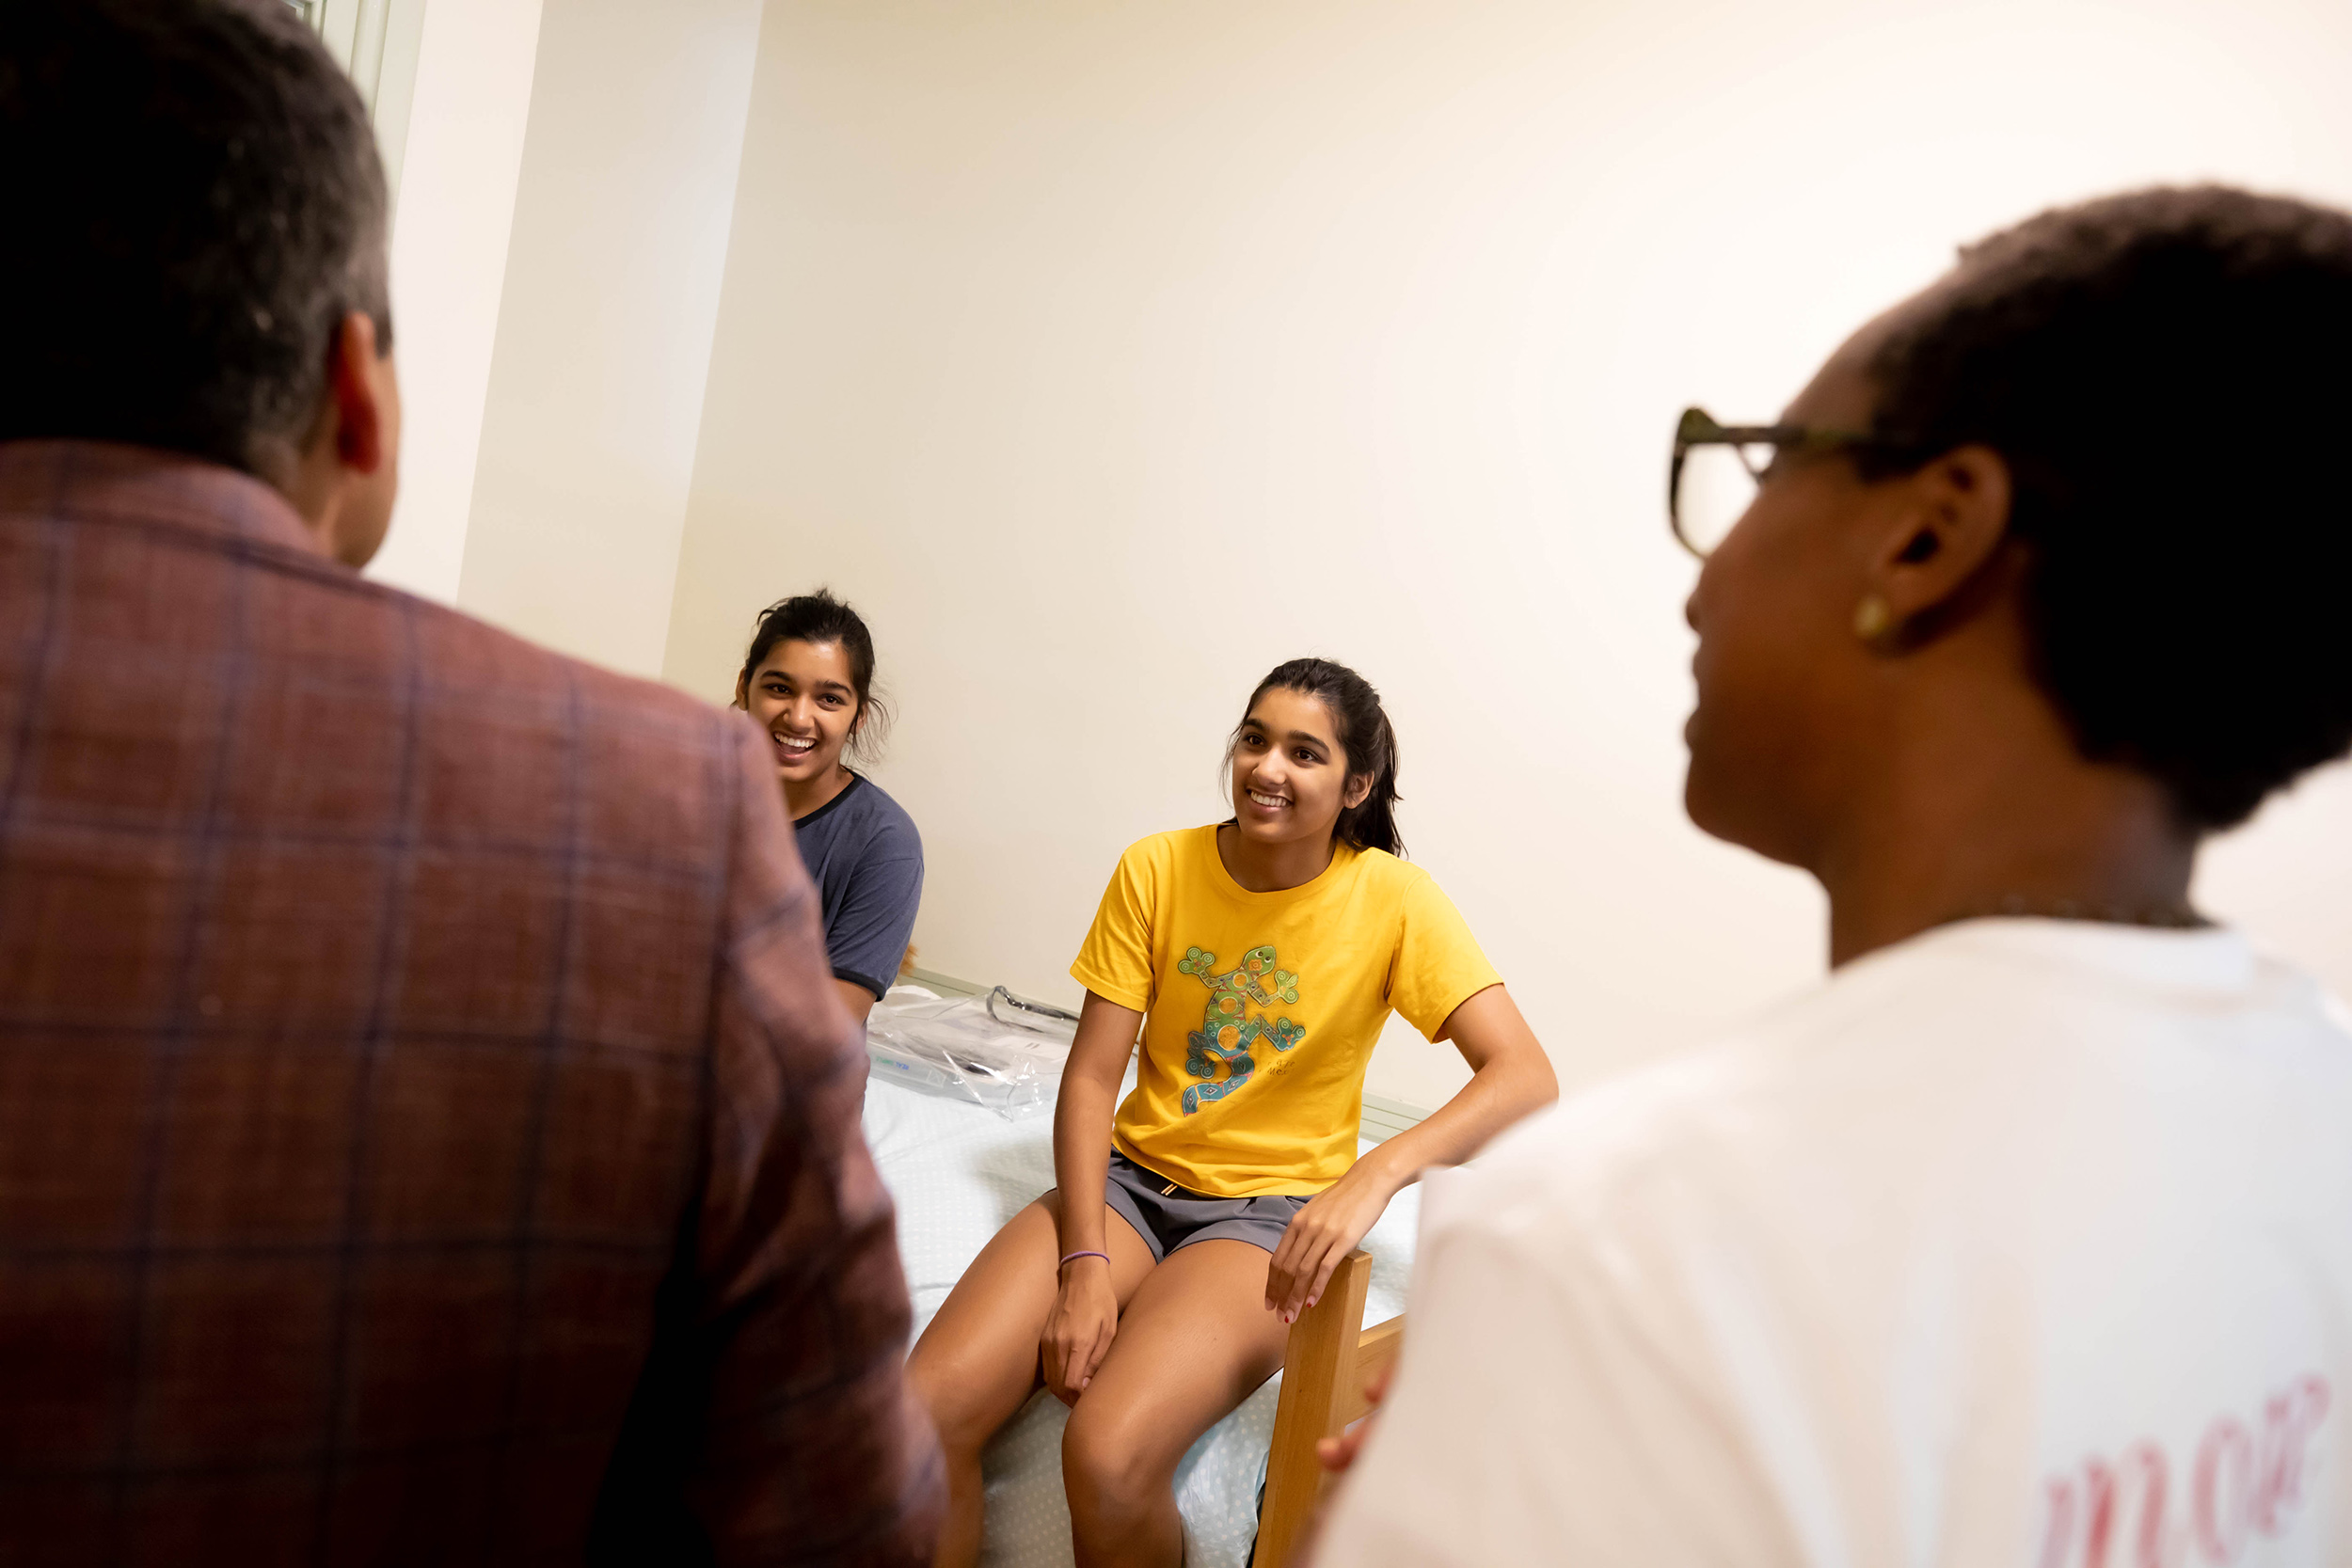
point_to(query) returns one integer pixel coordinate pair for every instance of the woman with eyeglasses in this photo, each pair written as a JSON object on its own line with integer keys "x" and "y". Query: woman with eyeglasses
{"x": 2026, "y": 1237}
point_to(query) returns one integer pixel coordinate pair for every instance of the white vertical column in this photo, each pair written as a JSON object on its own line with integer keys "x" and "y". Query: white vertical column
{"x": 466, "y": 116}
{"x": 604, "y": 340}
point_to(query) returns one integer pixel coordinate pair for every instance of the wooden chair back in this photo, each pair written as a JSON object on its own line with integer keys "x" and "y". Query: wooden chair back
{"x": 1329, "y": 1362}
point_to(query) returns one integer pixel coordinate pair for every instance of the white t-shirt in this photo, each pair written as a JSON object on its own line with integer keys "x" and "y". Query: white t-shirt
{"x": 2022, "y": 1243}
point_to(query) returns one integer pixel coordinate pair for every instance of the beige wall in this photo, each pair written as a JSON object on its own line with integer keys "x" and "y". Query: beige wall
{"x": 603, "y": 342}
{"x": 1105, "y": 354}
{"x": 461, "y": 161}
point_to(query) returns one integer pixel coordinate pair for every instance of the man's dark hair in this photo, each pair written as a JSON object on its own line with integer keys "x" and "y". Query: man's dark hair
{"x": 2169, "y": 375}
{"x": 195, "y": 202}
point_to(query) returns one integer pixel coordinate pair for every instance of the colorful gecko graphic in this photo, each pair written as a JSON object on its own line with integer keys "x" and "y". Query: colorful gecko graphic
{"x": 1228, "y": 1028}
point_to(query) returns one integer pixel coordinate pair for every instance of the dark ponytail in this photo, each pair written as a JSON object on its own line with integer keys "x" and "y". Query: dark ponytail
{"x": 819, "y": 617}
{"x": 1365, "y": 736}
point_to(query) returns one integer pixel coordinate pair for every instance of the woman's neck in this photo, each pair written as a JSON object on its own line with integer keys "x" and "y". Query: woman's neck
{"x": 801, "y": 796}
{"x": 2002, "y": 817}
{"x": 1272, "y": 867}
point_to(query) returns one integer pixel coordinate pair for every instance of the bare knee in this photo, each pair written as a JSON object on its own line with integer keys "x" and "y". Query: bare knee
{"x": 1112, "y": 1471}
{"x": 966, "y": 1420}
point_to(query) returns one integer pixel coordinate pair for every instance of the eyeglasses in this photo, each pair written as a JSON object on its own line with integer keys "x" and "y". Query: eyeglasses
{"x": 1718, "y": 469}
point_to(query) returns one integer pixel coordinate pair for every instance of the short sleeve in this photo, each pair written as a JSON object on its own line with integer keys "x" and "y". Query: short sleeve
{"x": 867, "y": 935}
{"x": 1439, "y": 964}
{"x": 1115, "y": 960}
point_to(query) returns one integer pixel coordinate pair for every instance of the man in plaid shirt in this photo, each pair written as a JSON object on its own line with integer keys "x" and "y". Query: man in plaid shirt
{"x": 428, "y": 1130}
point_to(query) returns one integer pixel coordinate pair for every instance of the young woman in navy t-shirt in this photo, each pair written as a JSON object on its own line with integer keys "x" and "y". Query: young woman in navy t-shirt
{"x": 808, "y": 680}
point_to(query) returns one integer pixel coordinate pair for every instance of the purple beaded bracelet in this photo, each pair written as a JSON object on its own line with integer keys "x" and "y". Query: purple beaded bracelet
{"x": 1068, "y": 1256}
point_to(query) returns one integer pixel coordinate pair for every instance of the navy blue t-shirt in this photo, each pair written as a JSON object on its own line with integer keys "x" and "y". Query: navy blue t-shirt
{"x": 867, "y": 859}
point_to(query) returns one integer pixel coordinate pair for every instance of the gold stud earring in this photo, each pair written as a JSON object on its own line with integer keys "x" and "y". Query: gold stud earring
{"x": 1872, "y": 616}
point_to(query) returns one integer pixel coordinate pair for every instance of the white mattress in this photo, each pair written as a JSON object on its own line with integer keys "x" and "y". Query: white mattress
{"x": 957, "y": 1173}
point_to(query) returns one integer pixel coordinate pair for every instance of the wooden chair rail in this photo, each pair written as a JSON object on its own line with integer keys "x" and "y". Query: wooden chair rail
{"x": 1329, "y": 1360}
{"x": 1376, "y": 1350}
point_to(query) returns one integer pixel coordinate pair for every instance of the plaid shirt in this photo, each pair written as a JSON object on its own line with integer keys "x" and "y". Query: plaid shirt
{"x": 427, "y": 1127}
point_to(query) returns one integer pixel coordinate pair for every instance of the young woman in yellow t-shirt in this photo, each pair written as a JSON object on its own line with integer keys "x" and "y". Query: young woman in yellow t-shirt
{"x": 1259, "y": 958}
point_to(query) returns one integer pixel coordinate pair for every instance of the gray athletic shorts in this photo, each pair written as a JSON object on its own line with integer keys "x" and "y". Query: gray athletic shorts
{"x": 1168, "y": 1217}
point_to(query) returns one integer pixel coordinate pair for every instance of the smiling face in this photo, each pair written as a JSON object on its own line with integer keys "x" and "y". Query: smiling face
{"x": 1290, "y": 776}
{"x": 800, "y": 694}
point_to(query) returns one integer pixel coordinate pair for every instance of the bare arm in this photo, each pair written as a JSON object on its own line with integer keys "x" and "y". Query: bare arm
{"x": 855, "y": 1000}
{"x": 1078, "y": 1332}
{"x": 1511, "y": 1078}
{"x": 1082, "y": 1115}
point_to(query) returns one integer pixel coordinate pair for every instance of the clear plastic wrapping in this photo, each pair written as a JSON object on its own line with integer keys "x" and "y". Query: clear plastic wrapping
{"x": 996, "y": 1052}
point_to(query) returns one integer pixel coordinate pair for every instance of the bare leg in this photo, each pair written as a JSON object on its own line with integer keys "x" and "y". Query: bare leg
{"x": 977, "y": 1364}
{"x": 1194, "y": 1341}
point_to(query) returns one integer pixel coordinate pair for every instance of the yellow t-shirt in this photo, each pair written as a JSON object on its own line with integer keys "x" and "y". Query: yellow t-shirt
{"x": 1261, "y": 1009}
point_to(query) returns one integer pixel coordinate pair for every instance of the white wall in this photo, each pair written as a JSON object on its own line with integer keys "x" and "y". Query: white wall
{"x": 464, "y": 153}
{"x": 603, "y": 344}
{"x": 1105, "y": 354}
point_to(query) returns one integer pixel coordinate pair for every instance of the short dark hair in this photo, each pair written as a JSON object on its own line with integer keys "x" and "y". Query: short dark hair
{"x": 195, "y": 202}
{"x": 819, "y": 617}
{"x": 2169, "y": 375}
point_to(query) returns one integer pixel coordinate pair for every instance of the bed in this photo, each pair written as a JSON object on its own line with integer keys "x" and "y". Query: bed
{"x": 958, "y": 1172}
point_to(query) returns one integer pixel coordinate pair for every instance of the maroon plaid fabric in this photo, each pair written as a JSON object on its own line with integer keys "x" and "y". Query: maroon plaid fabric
{"x": 428, "y": 1130}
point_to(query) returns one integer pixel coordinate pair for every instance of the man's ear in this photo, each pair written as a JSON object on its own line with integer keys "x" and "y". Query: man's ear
{"x": 358, "y": 418}
{"x": 1952, "y": 519}
{"x": 340, "y": 478}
